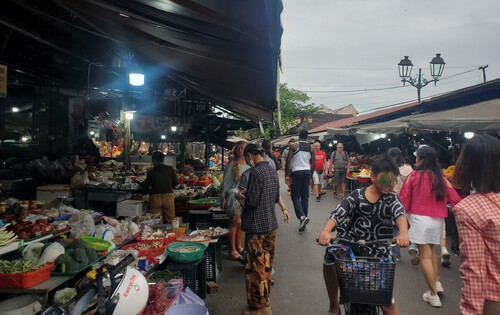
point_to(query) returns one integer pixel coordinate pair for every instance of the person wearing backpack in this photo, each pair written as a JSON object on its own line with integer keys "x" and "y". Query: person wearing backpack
{"x": 339, "y": 166}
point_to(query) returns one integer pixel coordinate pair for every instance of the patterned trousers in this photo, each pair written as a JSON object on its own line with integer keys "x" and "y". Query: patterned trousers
{"x": 259, "y": 253}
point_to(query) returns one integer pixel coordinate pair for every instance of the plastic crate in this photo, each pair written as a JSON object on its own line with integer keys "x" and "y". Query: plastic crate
{"x": 27, "y": 279}
{"x": 367, "y": 280}
{"x": 194, "y": 275}
{"x": 214, "y": 267}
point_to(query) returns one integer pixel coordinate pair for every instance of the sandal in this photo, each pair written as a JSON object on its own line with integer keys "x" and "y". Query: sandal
{"x": 237, "y": 257}
{"x": 240, "y": 251}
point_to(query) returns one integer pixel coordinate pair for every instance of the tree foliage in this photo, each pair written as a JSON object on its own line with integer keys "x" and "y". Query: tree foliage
{"x": 295, "y": 107}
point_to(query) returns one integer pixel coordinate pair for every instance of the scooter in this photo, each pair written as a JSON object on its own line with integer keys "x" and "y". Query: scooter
{"x": 120, "y": 290}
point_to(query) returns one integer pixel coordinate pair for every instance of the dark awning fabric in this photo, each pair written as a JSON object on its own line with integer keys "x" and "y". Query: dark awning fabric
{"x": 224, "y": 49}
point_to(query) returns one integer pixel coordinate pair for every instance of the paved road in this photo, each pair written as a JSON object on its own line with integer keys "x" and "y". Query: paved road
{"x": 299, "y": 288}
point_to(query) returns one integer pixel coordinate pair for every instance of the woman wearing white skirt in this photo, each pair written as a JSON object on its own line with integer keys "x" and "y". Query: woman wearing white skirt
{"x": 425, "y": 195}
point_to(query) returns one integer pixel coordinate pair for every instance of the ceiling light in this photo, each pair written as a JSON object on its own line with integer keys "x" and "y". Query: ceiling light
{"x": 173, "y": 128}
{"x": 15, "y": 109}
{"x": 468, "y": 135}
{"x": 163, "y": 137}
{"x": 129, "y": 115}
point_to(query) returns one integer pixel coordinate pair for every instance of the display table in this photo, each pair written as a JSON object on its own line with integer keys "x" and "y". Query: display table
{"x": 42, "y": 289}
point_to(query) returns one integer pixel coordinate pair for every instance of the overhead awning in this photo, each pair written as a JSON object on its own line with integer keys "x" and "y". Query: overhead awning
{"x": 481, "y": 117}
{"x": 225, "y": 50}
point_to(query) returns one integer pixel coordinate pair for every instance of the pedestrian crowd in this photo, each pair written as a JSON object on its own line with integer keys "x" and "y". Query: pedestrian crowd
{"x": 401, "y": 202}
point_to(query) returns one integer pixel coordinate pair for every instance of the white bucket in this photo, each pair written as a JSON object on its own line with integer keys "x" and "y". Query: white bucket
{"x": 187, "y": 309}
{"x": 176, "y": 222}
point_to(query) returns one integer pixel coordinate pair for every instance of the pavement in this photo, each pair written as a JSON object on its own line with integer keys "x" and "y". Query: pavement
{"x": 299, "y": 288}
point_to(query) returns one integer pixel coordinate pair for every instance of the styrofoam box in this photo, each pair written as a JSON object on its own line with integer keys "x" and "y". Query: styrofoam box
{"x": 49, "y": 193}
{"x": 129, "y": 208}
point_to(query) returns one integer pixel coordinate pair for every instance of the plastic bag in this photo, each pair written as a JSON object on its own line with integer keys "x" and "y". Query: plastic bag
{"x": 79, "y": 180}
{"x": 187, "y": 296}
{"x": 81, "y": 225}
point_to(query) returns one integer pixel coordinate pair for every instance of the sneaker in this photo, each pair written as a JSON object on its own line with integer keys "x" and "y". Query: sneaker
{"x": 322, "y": 193}
{"x": 303, "y": 223}
{"x": 397, "y": 259}
{"x": 318, "y": 198}
{"x": 335, "y": 195}
{"x": 433, "y": 300}
{"x": 445, "y": 259}
{"x": 439, "y": 287}
{"x": 415, "y": 259}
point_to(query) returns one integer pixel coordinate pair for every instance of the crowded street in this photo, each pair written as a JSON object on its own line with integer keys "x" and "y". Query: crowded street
{"x": 299, "y": 288}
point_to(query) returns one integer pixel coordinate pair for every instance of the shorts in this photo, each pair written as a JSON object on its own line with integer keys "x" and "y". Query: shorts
{"x": 317, "y": 178}
{"x": 339, "y": 177}
{"x": 425, "y": 229}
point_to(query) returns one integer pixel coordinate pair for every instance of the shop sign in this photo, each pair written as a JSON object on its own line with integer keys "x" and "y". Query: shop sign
{"x": 3, "y": 81}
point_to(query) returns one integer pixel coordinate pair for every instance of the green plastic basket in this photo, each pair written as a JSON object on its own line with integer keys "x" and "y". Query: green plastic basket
{"x": 186, "y": 257}
{"x": 95, "y": 243}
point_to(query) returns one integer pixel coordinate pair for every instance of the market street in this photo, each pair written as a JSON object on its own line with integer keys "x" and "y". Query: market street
{"x": 299, "y": 287}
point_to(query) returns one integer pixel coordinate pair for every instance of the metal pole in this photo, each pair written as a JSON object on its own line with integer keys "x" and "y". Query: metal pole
{"x": 419, "y": 84}
{"x": 484, "y": 72}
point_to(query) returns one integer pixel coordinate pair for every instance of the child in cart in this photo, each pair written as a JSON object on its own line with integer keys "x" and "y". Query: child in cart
{"x": 366, "y": 214}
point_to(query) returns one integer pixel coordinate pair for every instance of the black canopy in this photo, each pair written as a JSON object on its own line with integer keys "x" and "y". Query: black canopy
{"x": 226, "y": 50}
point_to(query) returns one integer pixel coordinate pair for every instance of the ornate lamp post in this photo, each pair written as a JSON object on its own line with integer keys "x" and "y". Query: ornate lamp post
{"x": 405, "y": 65}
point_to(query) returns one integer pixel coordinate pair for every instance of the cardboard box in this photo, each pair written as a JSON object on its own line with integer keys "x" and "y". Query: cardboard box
{"x": 130, "y": 208}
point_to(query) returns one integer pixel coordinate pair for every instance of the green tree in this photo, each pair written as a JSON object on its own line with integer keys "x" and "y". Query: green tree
{"x": 294, "y": 109}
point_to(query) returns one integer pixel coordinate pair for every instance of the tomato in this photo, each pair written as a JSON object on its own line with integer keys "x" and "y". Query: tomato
{"x": 160, "y": 305}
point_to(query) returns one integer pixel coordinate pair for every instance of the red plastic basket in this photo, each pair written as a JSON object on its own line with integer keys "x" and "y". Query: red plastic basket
{"x": 149, "y": 252}
{"x": 27, "y": 279}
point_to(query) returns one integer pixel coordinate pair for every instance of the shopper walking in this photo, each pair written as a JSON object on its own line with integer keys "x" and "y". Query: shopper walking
{"x": 478, "y": 223}
{"x": 160, "y": 181}
{"x": 229, "y": 186}
{"x": 319, "y": 169}
{"x": 260, "y": 223}
{"x": 425, "y": 195}
{"x": 396, "y": 156}
{"x": 339, "y": 166}
{"x": 298, "y": 170}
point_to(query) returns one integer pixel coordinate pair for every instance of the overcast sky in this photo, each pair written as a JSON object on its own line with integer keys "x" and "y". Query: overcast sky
{"x": 349, "y": 45}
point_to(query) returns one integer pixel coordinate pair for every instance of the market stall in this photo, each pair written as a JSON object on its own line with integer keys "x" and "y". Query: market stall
{"x": 55, "y": 254}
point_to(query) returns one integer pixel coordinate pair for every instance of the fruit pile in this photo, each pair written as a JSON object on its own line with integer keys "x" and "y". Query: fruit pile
{"x": 448, "y": 172}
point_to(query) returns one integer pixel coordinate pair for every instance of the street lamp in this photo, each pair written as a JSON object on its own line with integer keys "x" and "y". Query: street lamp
{"x": 405, "y": 65}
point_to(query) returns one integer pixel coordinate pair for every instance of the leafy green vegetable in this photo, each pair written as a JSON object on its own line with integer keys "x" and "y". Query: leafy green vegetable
{"x": 165, "y": 275}
{"x": 18, "y": 266}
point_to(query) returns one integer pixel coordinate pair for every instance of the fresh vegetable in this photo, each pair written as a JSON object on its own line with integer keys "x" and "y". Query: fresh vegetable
{"x": 157, "y": 301}
{"x": 51, "y": 252}
{"x": 165, "y": 274}
{"x": 72, "y": 260}
{"x": 6, "y": 237}
{"x": 18, "y": 266}
{"x": 33, "y": 251}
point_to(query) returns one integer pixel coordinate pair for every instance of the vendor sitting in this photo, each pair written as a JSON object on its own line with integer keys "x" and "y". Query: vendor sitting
{"x": 160, "y": 181}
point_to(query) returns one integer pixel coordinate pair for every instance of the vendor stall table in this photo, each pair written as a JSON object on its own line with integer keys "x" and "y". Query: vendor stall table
{"x": 43, "y": 289}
